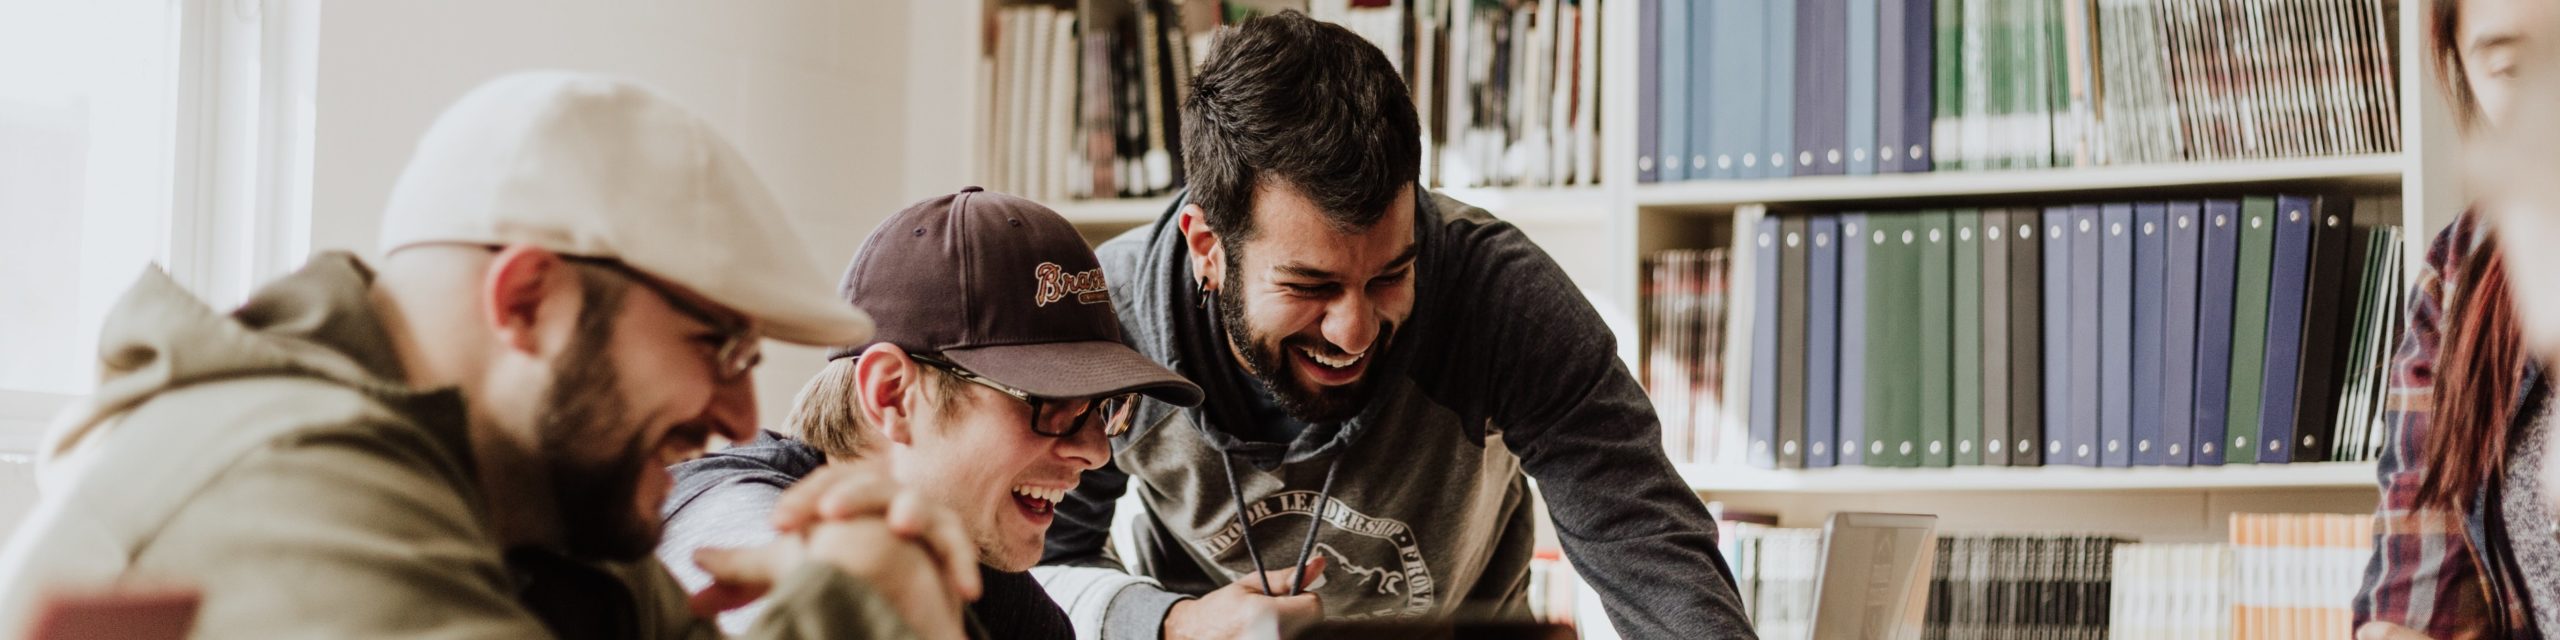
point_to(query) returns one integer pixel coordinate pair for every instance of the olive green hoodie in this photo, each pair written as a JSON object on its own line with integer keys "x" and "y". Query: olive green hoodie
{"x": 275, "y": 459}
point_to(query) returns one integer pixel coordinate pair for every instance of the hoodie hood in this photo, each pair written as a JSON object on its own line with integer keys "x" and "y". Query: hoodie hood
{"x": 316, "y": 323}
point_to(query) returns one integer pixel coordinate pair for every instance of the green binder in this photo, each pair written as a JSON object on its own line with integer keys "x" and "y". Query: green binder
{"x": 2249, "y": 328}
{"x": 1967, "y": 336}
{"x": 1936, "y": 319}
{"x": 1893, "y": 342}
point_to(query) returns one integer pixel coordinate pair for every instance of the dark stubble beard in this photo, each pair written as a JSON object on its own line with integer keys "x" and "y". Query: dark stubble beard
{"x": 598, "y": 501}
{"x": 1266, "y": 359}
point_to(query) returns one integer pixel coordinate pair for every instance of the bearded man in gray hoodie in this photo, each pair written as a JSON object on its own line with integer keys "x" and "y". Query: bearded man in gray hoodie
{"x": 1384, "y": 368}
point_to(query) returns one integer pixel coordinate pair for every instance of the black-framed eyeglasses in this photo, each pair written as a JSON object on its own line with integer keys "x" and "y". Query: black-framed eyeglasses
{"x": 741, "y": 346}
{"x": 1109, "y": 409}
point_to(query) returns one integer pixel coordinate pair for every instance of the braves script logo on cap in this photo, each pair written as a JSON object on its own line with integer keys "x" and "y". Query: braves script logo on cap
{"x": 1056, "y": 284}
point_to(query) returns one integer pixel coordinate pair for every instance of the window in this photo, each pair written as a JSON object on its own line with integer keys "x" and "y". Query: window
{"x": 87, "y": 109}
{"x": 138, "y": 132}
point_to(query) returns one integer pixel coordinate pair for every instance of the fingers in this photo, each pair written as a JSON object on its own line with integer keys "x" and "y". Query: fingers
{"x": 1295, "y": 613}
{"x": 1310, "y": 576}
{"x": 914, "y": 518}
{"x": 738, "y": 576}
{"x": 1305, "y": 577}
{"x": 719, "y": 598}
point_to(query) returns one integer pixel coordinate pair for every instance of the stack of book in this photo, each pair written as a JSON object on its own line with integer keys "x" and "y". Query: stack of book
{"x": 2031, "y": 586}
{"x": 2171, "y": 592}
{"x": 1742, "y": 89}
{"x": 1684, "y": 358}
{"x": 1522, "y": 107}
{"x": 1086, "y": 103}
{"x": 2281, "y": 576}
{"x": 1773, "y": 572}
{"x": 2190, "y": 332}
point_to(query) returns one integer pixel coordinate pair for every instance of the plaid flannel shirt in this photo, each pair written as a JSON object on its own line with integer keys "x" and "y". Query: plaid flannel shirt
{"x": 2424, "y": 573}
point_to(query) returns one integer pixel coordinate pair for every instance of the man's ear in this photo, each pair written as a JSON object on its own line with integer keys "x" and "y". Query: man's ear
{"x": 885, "y": 389}
{"x": 1208, "y": 256}
{"x": 525, "y": 287}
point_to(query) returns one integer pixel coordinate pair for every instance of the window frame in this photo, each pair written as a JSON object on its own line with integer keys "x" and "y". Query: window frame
{"x": 240, "y": 210}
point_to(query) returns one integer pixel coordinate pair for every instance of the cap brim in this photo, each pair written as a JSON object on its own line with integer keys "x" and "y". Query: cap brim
{"x": 818, "y": 325}
{"x": 1077, "y": 370}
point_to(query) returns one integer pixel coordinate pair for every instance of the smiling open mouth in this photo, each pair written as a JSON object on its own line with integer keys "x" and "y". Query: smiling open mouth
{"x": 1037, "y": 502}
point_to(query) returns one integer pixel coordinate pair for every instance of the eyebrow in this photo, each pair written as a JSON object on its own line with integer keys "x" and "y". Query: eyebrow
{"x": 1411, "y": 252}
{"x": 2493, "y": 40}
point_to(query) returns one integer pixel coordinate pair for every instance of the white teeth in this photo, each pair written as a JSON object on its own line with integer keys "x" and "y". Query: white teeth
{"x": 1336, "y": 363}
{"x": 1040, "y": 493}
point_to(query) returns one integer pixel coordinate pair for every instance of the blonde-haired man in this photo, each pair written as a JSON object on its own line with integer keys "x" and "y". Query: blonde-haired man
{"x": 990, "y": 388}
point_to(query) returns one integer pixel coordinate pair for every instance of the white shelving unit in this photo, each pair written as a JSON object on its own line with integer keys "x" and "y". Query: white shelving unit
{"x": 1114, "y": 212}
{"x": 2367, "y": 170}
{"x": 1601, "y": 233}
{"x": 1871, "y": 480}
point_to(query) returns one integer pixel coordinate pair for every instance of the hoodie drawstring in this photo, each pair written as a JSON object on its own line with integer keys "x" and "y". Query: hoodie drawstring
{"x": 1315, "y": 520}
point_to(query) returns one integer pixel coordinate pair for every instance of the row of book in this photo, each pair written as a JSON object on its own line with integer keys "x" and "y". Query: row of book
{"x": 2281, "y": 576}
{"x": 1743, "y": 89}
{"x": 1685, "y": 300}
{"x": 2278, "y": 576}
{"x": 1084, "y": 103}
{"x": 2031, "y": 586}
{"x": 2192, "y": 332}
{"x": 1523, "y": 94}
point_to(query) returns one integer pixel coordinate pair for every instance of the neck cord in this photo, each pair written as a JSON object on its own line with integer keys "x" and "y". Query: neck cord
{"x": 1315, "y": 519}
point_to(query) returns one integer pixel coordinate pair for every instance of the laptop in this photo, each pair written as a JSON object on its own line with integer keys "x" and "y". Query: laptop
{"x": 1874, "y": 581}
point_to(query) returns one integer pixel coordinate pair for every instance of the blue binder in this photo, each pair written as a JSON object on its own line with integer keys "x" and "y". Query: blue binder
{"x": 2115, "y": 335}
{"x": 2288, "y": 275}
{"x": 1676, "y": 114}
{"x": 2185, "y": 238}
{"x": 1855, "y": 239}
{"x": 1715, "y": 91}
{"x": 2058, "y": 413}
{"x": 1648, "y": 89}
{"x": 2150, "y": 313}
{"x": 1861, "y": 142}
{"x": 1822, "y": 341}
{"x": 1822, "y": 86}
{"x": 1765, "y": 297}
{"x": 1920, "y": 25}
{"x": 1891, "y": 90}
{"x": 2081, "y": 441}
{"x": 1777, "y": 140}
{"x": 2217, "y": 275}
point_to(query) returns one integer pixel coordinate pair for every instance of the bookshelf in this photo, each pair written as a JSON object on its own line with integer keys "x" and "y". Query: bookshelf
{"x": 1602, "y": 233}
{"x": 1872, "y": 480}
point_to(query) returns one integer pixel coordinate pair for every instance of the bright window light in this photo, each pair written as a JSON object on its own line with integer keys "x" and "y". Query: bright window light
{"x": 87, "y": 110}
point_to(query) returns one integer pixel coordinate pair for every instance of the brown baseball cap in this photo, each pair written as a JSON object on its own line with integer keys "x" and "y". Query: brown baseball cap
{"x": 1006, "y": 288}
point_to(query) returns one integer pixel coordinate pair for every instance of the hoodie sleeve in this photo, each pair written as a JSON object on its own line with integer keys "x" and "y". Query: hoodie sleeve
{"x": 358, "y": 533}
{"x": 1541, "y": 367}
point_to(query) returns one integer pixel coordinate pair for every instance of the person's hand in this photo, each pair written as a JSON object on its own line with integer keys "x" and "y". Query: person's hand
{"x": 2387, "y": 631}
{"x": 1243, "y": 609}
{"x": 894, "y": 566}
{"x": 858, "y": 490}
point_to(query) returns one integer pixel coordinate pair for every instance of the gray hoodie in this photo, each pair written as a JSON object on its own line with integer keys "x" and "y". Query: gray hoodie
{"x": 1504, "y": 368}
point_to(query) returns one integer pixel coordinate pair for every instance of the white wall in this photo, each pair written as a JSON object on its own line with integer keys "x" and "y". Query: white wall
{"x": 811, "y": 91}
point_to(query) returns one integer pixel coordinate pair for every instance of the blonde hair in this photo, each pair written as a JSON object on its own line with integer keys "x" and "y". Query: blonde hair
{"x": 827, "y": 415}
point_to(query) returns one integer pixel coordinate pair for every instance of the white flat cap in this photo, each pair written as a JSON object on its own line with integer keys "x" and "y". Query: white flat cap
{"x": 601, "y": 167}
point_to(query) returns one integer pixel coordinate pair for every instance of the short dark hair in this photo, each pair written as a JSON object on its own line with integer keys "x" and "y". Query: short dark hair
{"x": 1287, "y": 98}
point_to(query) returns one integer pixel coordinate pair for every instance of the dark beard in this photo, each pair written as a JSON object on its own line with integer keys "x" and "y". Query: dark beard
{"x": 598, "y": 501}
{"x": 1269, "y": 365}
